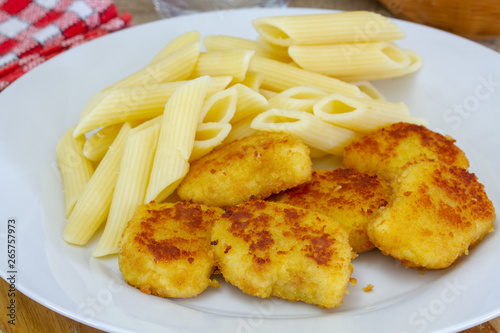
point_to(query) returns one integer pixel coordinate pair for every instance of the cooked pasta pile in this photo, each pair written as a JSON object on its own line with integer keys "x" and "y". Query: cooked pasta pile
{"x": 305, "y": 75}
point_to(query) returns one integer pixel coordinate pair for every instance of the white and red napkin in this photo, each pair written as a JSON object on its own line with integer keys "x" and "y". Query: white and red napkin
{"x": 33, "y": 31}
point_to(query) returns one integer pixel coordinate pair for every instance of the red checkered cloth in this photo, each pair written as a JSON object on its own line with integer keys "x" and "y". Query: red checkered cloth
{"x": 33, "y": 31}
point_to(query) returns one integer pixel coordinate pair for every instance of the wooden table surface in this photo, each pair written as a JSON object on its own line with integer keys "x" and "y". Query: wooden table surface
{"x": 33, "y": 317}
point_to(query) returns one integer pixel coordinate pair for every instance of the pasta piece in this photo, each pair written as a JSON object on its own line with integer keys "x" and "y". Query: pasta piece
{"x": 369, "y": 90}
{"x": 219, "y": 107}
{"x": 414, "y": 66}
{"x": 226, "y": 43}
{"x": 297, "y": 98}
{"x": 147, "y": 124}
{"x": 91, "y": 103}
{"x": 275, "y": 52}
{"x": 97, "y": 145}
{"x": 176, "y": 44}
{"x": 345, "y": 60}
{"x": 92, "y": 208}
{"x": 240, "y": 129}
{"x": 308, "y": 128}
{"x": 279, "y": 76}
{"x": 362, "y": 114}
{"x": 250, "y": 103}
{"x": 208, "y": 136}
{"x": 218, "y": 63}
{"x": 253, "y": 80}
{"x": 127, "y": 104}
{"x": 314, "y": 29}
{"x": 316, "y": 153}
{"x": 76, "y": 170}
{"x": 176, "y": 139}
{"x": 135, "y": 168}
{"x": 175, "y": 66}
{"x": 267, "y": 93}
{"x": 136, "y": 103}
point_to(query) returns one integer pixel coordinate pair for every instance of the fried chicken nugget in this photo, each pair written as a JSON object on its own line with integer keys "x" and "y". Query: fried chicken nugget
{"x": 258, "y": 165}
{"x": 437, "y": 212}
{"x": 165, "y": 249}
{"x": 272, "y": 249}
{"x": 388, "y": 151}
{"x": 350, "y": 197}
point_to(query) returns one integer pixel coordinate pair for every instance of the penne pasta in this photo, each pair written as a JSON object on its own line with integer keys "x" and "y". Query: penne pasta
{"x": 91, "y": 103}
{"x": 369, "y": 90}
{"x": 308, "y": 128}
{"x": 98, "y": 143}
{"x": 208, "y": 136}
{"x": 219, "y": 107}
{"x": 267, "y": 93}
{"x": 93, "y": 205}
{"x": 253, "y": 80}
{"x": 279, "y": 76}
{"x": 176, "y": 44}
{"x": 361, "y": 114}
{"x": 330, "y": 28}
{"x": 135, "y": 167}
{"x": 220, "y": 63}
{"x": 363, "y": 60}
{"x": 274, "y": 51}
{"x": 414, "y": 66}
{"x": 146, "y": 124}
{"x": 250, "y": 103}
{"x": 226, "y": 43}
{"x": 176, "y": 139}
{"x": 76, "y": 169}
{"x": 136, "y": 103}
{"x": 175, "y": 66}
{"x": 316, "y": 153}
{"x": 240, "y": 129}
{"x": 297, "y": 98}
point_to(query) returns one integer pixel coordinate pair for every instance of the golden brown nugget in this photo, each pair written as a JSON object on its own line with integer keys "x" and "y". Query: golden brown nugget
{"x": 256, "y": 166}
{"x": 350, "y": 197}
{"x": 272, "y": 249}
{"x": 165, "y": 249}
{"x": 388, "y": 151}
{"x": 437, "y": 212}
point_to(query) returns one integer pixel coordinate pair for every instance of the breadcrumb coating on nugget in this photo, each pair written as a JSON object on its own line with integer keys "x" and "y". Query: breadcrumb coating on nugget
{"x": 388, "y": 151}
{"x": 436, "y": 213}
{"x": 349, "y": 197}
{"x": 165, "y": 249}
{"x": 272, "y": 249}
{"x": 255, "y": 166}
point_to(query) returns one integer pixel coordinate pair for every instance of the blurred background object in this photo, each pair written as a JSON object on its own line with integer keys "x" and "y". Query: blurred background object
{"x": 169, "y": 8}
{"x": 475, "y": 19}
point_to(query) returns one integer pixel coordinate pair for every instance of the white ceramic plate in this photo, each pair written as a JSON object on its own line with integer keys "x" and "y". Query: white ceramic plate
{"x": 457, "y": 90}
